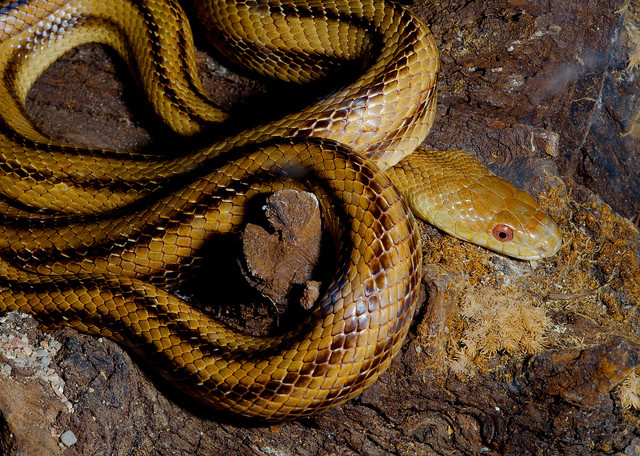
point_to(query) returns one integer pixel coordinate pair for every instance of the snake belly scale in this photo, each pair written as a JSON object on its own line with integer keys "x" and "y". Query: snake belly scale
{"x": 96, "y": 239}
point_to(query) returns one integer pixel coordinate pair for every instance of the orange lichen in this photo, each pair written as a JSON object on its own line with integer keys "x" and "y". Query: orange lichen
{"x": 458, "y": 256}
{"x": 598, "y": 270}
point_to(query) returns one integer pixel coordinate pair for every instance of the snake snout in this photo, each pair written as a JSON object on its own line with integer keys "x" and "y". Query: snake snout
{"x": 544, "y": 238}
{"x": 551, "y": 243}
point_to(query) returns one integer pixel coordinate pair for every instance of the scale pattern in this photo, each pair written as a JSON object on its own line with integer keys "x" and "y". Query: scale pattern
{"x": 94, "y": 238}
{"x": 97, "y": 239}
{"x": 347, "y": 341}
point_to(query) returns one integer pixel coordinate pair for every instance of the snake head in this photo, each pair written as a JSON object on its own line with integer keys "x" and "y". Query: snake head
{"x": 456, "y": 193}
{"x": 493, "y": 213}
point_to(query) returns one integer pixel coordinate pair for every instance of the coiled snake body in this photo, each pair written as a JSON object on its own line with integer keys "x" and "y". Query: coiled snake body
{"x": 93, "y": 238}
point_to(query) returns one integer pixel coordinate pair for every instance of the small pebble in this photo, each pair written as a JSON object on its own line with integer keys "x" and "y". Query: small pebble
{"x": 68, "y": 438}
{"x": 633, "y": 448}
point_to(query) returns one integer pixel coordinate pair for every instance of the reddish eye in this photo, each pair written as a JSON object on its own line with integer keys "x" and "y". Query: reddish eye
{"x": 503, "y": 233}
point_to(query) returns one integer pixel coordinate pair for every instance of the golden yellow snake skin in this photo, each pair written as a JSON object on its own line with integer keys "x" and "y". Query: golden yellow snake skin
{"x": 96, "y": 239}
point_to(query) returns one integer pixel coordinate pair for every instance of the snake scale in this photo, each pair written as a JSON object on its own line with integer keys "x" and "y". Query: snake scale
{"x": 96, "y": 239}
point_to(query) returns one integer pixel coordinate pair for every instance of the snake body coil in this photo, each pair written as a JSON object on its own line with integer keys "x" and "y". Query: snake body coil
{"x": 93, "y": 238}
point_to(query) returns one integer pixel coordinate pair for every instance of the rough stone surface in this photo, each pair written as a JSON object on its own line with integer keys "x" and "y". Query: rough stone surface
{"x": 545, "y": 93}
{"x": 283, "y": 254}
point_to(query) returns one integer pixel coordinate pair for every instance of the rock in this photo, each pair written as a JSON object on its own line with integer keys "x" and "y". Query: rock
{"x": 68, "y": 438}
{"x": 284, "y": 253}
{"x": 584, "y": 377}
{"x": 31, "y": 395}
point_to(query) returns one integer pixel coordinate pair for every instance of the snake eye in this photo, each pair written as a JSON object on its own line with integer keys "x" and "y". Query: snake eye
{"x": 503, "y": 233}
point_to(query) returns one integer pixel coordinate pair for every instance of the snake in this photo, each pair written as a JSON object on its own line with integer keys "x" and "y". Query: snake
{"x": 99, "y": 239}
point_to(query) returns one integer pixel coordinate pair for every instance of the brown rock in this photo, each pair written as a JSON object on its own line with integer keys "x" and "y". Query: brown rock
{"x": 30, "y": 391}
{"x": 584, "y": 377}
{"x": 284, "y": 253}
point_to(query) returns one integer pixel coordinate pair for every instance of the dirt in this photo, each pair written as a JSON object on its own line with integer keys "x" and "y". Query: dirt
{"x": 504, "y": 356}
